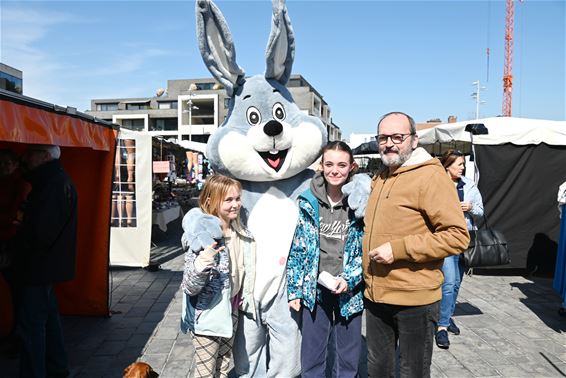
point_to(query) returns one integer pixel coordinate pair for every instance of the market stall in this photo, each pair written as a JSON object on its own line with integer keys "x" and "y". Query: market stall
{"x": 151, "y": 190}
{"x": 87, "y": 154}
{"x": 180, "y": 169}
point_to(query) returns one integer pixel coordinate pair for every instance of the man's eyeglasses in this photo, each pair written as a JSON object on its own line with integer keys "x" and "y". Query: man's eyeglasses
{"x": 395, "y": 138}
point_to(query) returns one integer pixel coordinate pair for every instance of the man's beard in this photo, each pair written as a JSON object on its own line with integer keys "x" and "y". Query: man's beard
{"x": 397, "y": 160}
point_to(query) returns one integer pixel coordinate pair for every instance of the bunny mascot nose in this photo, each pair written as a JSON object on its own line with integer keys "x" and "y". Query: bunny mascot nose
{"x": 273, "y": 128}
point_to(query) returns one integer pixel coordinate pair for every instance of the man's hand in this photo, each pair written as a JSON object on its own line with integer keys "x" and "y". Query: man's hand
{"x": 295, "y": 304}
{"x": 341, "y": 286}
{"x": 382, "y": 254}
{"x": 466, "y": 206}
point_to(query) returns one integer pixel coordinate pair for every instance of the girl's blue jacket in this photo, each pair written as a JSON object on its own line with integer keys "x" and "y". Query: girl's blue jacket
{"x": 304, "y": 256}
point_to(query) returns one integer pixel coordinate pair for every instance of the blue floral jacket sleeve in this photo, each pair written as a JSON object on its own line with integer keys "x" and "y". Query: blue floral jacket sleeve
{"x": 352, "y": 272}
{"x": 297, "y": 254}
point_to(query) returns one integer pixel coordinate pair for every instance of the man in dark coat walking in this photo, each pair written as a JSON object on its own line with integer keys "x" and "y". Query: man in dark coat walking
{"x": 46, "y": 250}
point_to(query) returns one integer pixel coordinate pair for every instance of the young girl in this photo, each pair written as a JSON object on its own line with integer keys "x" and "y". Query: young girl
{"x": 327, "y": 248}
{"x": 215, "y": 281}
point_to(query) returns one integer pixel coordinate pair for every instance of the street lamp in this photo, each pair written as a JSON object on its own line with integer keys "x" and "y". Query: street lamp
{"x": 190, "y": 108}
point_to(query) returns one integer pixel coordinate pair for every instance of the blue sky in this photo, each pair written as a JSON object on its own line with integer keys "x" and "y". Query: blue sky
{"x": 365, "y": 57}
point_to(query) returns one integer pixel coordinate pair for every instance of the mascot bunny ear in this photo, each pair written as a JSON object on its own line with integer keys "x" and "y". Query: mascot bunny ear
{"x": 217, "y": 47}
{"x": 280, "y": 50}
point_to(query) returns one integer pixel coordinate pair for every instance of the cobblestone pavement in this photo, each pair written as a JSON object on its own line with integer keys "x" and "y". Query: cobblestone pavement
{"x": 510, "y": 328}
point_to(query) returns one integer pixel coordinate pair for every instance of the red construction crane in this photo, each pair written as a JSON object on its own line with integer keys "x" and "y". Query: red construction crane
{"x": 507, "y": 70}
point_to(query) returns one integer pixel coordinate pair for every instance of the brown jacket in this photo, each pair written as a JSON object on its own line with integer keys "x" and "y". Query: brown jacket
{"x": 417, "y": 210}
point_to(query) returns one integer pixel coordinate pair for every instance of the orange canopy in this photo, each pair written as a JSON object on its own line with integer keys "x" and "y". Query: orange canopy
{"x": 87, "y": 154}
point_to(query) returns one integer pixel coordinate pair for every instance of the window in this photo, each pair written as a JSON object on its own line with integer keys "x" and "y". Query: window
{"x": 111, "y": 106}
{"x": 137, "y": 106}
{"x": 167, "y": 105}
{"x": 134, "y": 124}
{"x": 10, "y": 83}
{"x": 163, "y": 124}
{"x": 204, "y": 86}
{"x": 294, "y": 83}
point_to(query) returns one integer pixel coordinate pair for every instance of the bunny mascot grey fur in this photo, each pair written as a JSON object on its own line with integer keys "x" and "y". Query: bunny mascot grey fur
{"x": 267, "y": 143}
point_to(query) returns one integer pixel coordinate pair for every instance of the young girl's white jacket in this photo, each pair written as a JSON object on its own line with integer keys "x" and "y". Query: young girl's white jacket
{"x": 207, "y": 301}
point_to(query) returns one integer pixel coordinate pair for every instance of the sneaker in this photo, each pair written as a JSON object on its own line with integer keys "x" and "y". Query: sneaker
{"x": 453, "y": 328}
{"x": 441, "y": 338}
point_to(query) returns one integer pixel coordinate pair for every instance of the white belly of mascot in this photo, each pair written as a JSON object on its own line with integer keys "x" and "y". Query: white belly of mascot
{"x": 272, "y": 221}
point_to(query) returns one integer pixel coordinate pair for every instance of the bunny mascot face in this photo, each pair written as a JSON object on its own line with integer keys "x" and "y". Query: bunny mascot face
{"x": 268, "y": 144}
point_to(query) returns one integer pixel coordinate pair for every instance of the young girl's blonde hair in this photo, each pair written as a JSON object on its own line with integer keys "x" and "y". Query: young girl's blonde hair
{"x": 214, "y": 191}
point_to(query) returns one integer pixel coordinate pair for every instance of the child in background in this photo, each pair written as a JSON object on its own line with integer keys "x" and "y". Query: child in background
{"x": 324, "y": 270}
{"x": 215, "y": 282}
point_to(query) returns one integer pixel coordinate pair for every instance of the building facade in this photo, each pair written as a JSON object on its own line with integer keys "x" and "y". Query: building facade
{"x": 192, "y": 109}
{"x": 11, "y": 79}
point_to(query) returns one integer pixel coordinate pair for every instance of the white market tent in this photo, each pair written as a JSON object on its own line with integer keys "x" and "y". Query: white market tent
{"x": 518, "y": 131}
{"x": 521, "y": 163}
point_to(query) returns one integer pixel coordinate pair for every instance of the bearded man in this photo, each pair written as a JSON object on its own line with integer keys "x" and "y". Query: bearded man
{"x": 413, "y": 220}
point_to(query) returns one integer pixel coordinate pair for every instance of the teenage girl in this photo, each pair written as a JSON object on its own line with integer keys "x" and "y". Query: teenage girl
{"x": 327, "y": 249}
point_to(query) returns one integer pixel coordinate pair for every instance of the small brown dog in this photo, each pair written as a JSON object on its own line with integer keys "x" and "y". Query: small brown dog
{"x": 139, "y": 370}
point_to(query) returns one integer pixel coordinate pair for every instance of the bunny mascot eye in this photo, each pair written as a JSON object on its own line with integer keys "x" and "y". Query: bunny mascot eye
{"x": 278, "y": 111}
{"x": 253, "y": 116}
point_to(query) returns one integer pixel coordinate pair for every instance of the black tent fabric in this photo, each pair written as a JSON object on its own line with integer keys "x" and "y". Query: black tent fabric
{"x": 519, "y": 186}
{"x": 366, "y": 148}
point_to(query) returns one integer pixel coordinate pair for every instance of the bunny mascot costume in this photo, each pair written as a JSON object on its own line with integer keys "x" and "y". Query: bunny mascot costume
{"x": 267, "y": 143}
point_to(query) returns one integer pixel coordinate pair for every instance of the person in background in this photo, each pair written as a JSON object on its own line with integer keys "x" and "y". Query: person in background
{"x": 215, "y": 279}
{"x": 412, "y": 222}
{"x": 46, "y": 246}
{"x": 453, "y": 269}
{"x": 327, "y": 248}
{"x": 13, "y": 192}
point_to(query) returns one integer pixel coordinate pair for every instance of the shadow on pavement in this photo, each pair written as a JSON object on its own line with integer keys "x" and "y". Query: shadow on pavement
{"x": 165, "y": 245}
{"x": 466, "y": 309}
{"x": 542, "y": 301}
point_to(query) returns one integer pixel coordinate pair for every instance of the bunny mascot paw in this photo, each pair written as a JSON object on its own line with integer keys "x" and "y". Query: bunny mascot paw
{"x": 200, "y": 230}
{"x": 358, "y": 190}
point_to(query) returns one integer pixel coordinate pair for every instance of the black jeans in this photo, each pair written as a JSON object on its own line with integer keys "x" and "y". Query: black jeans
{"x": 409, "y": 328}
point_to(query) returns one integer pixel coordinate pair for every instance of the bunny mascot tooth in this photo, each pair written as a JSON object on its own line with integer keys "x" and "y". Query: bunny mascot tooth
{"x": 267, "y": 143}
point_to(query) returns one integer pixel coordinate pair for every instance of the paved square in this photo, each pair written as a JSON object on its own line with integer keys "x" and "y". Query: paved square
{"x": 510, "y": 328}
